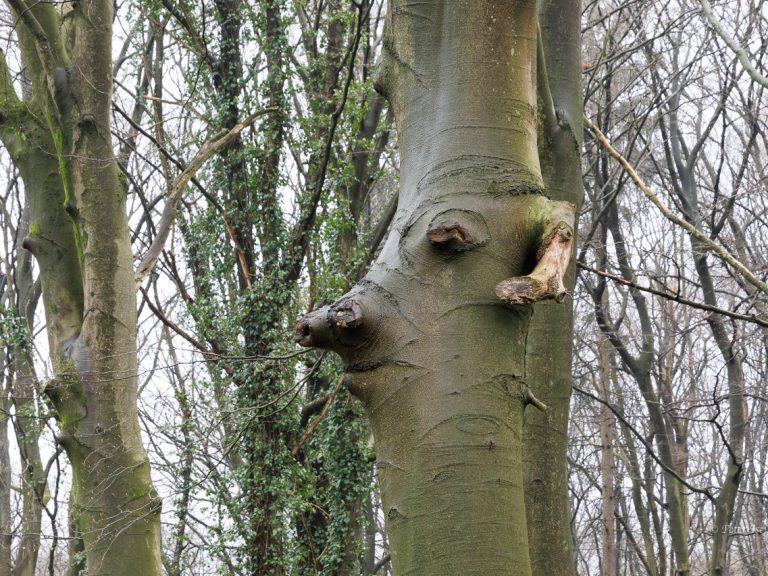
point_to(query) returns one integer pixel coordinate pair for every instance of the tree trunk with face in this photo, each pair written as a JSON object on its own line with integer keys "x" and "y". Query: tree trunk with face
{"x": 61, "y": 143}
{"x": 435, "y": 337}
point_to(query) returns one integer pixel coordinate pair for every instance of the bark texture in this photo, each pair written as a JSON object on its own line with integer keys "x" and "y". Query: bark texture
{"x": 438, "y": 359}
{"x": 79, "y": 236}
{"x": 549, "y": 343}
{"x": 28, "y": 427}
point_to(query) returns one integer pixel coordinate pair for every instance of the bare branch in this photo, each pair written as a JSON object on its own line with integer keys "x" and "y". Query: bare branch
{"x": 211, "y": 147}
{"x": 649, "y": 449}
{"x": 323, "y": 414}
{"x": 741, "y": 54}
{"x": 676, "y": 298}
{"x": 710, "y": 244}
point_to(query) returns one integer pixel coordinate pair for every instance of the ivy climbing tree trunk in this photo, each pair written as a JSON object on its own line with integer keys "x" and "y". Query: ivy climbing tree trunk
{"x": 22, "y": 292}
{"x": 61, "y": 143}
{"x": 437, "y": 336}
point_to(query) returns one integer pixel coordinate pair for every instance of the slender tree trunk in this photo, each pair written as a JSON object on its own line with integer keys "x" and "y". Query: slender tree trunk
{"x": 640, "y": 367}
{"x": 5, "y": 479}
{"x": 548, "y": 361}
{"x": 653, "y": 557}
{"x": 686, "y": 187}
{"x": 24, "y": 397}
{"x": 434, "y": 338}
{"x": 607, "y": 467}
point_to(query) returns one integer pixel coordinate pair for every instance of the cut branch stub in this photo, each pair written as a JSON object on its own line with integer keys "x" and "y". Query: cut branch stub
{"x": 553, "y": 255}
{"x": 457, "y": 231}
{"x": 302, "y": 333}
{"x": 332, "y": 327}
{"x": 33, "y": 244}
{"x": 346, "y": 314}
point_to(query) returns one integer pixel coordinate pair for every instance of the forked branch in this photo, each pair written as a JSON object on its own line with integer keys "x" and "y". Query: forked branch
{"x": 741, "y": 54}
{"x": 209, "y": 149}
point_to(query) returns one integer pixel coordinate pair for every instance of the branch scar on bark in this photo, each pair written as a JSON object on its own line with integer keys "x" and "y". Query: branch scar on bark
{"x": 451, "y": 235}
{"x": 346, "y": 314}
{"x": 457, "y": 231}
{"x": 553, "y": 256}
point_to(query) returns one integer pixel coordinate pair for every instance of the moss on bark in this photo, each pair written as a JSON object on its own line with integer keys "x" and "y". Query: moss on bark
{"x": 82, "y": 245}
{"x": 437, "y": 359}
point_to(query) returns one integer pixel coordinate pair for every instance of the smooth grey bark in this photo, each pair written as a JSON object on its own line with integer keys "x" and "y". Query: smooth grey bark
{"x": 609, "y": 558}
{"x": 25, "y": 397}
{"x": 5, "y": 478}
{"x": 21, "y": 410}
{"x": 434, "y": 337}
{"x": 549, "y": 343}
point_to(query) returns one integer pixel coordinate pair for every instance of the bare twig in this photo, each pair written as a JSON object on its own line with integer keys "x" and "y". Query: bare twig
{"x": 741, "y": 54}
{"x": 323, "y": 414}
{"x": 676, "y": 298}
{"x": 381, "y": 563}
{"x": 211, "y": 147}
{"x": 645, "y": 444}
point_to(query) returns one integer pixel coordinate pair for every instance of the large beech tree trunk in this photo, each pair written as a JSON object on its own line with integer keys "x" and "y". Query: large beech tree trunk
{"x": 436, "y": 336}
{"x": 61, "y": 143}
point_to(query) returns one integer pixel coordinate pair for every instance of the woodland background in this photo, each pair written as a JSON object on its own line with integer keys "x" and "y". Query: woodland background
{"x": 287, "y": 216}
